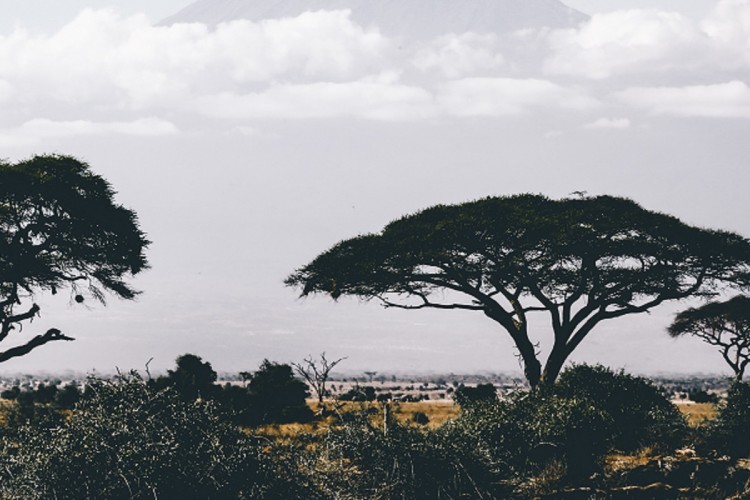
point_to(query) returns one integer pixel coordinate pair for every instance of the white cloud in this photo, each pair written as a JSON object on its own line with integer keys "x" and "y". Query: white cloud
{"x": 729, "y": 22}
{"x": 507, "y": 96}
{"x": 101, "y": 58}
{"x": 609, "y": 123}
{"x": 723, "y": 100}
{"x": 455, "y": 56}
{"x": 38, "y": 129}
{"x": 627, "y": 41}
{"x": 386, "y": 98}
{"x": 368, "y": 98}
{"x": 144, "y": 127}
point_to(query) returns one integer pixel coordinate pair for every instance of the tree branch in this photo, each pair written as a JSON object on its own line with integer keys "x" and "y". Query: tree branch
{"x": 51, "y": 335}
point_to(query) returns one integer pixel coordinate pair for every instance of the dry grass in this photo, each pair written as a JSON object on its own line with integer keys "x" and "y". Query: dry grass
{"x": 438, "y": 413}
{"x": 698, "y": 413}
{"x": 617, "y": 462}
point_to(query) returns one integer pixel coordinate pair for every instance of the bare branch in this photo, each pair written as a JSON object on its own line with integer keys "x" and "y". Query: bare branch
{"x": 53, "y": 334}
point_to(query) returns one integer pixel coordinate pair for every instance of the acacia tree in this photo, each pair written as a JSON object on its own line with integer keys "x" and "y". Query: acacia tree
{"x": 579, "y": 260}
{"x": 60, "y": 230}
{"x": 316, "y": 373}
{"x": 725, "y": 325}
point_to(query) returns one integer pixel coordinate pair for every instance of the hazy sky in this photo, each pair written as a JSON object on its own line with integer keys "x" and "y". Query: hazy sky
{"x": 249, "y": 148}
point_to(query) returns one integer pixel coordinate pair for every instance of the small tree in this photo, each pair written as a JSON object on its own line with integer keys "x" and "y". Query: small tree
{"x": 193, "y": 378}
{"x": 60, "y": 229}
{"x": 581, "y": 261}
{"x": 316, "y": 373}
{"x": 276, "y": 396}
{"x": 725, "y": 325}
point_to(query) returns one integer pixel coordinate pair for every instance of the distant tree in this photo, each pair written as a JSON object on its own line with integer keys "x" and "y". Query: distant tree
{"x": 725, "y": 325}
{"x": 316, "y": 373}
{"x": 359, "y": 393}
{"x": 11, "y": 393}
{"x": 193, "y": 378}
{"x": 580, "y": 260}
{"x": 67, "y": 396}
{"x": 276, "y": 395}
{"x": 60, "y": 229}
{"x": 466, "y": 396}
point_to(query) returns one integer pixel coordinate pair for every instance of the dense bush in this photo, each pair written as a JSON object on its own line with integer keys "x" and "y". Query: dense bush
{"x": 729, "y": 432}
{"x": 467, "y": 396}
{"x": 640, "y": 414}
{"x": 273, "y": 394}
{"x": 276, "y": 396}
{"x": 359, "y": 459}
{"x": 127, "y": 440}
{"x": 192, "y": 378}
{"x": 359, "y": 393}
{"x": 530, "y": 431}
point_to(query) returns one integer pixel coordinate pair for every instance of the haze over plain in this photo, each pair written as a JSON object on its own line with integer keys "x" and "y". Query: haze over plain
{"x": 249, "y": 147}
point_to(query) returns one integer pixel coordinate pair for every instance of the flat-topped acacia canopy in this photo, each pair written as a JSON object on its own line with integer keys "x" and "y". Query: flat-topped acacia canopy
{"x": 725, "y": 325}
{"x": 61, "y": 229}
{"x": 580, "y": 260}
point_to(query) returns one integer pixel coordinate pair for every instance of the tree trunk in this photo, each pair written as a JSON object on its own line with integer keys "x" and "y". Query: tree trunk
{"x": 554, "y": 365}
{"x": 532, "y": 368}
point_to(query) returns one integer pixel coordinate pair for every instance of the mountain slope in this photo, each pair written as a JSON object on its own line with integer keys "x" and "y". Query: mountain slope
{"x": 405, "y": 18}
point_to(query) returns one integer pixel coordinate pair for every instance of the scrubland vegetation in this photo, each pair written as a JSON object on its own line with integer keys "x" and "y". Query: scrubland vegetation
{"x": 594, "y": 433}
{"x": 581, "y": 432}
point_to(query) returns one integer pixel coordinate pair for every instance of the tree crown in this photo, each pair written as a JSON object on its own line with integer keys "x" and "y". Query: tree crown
{"x": 59, "y": 226}
{"x": 606, "y": 249}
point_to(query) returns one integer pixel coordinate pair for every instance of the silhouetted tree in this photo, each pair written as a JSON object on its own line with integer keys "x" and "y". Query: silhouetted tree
{"x": 193, "y": 378}
{"x": 67, "y": 396}
{"x": 316, "y": 373}
{"x": 467, "y": 396}
{"x": 276, "y": 396}
{"x": 725, "y": 325}
{"x": 359, "y": 393}
{"x": 579, "y": 260}
{"x": 61, "y": 230}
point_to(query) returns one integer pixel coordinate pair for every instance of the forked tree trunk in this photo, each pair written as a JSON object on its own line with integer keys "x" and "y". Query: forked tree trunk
{"x": 554, "y": 365}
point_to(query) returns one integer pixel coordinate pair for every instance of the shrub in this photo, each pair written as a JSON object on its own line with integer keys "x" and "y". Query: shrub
{"x": 359, "y": 394}
{"x": 276, "y": 396}
{"x": 701, "y": 396}
{"x": 641, "y": 415}
{"x": 420, "y": 418}
{"x": 466, "y": 396}
{"x": 127, "y": 440}
{"x": 359, "y": 460}
{"x": 728, "y": 433}
{"x": 528, "y": 431}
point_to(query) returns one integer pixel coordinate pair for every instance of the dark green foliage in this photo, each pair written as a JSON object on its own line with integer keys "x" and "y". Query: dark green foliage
{"x": 11, "y": 393}
{"x": 127, "y": 440}
{"x": 60, "y": 229}
{"x": 725, "y": 325}
{"x": 729, "y": 432}
{"x": 467, "y": 396}
{"x": 420, "y": 418}
{"x": 276, "y": 396}
{"x": 40, "y": 406}
{"x": 193, "y": 378}
{"x": 67, "y": 396}
{"x": 701, "y": 396}
{"x": 579, "y": 260}
{"x": 359, "y": 460}
{"x": 525, "y": 433}
{"x": 641, "y": 415}
{"x": 359, "y": 393}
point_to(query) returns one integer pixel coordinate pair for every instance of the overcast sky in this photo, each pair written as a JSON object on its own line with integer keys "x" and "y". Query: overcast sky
{"x": 249, "y": 148}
